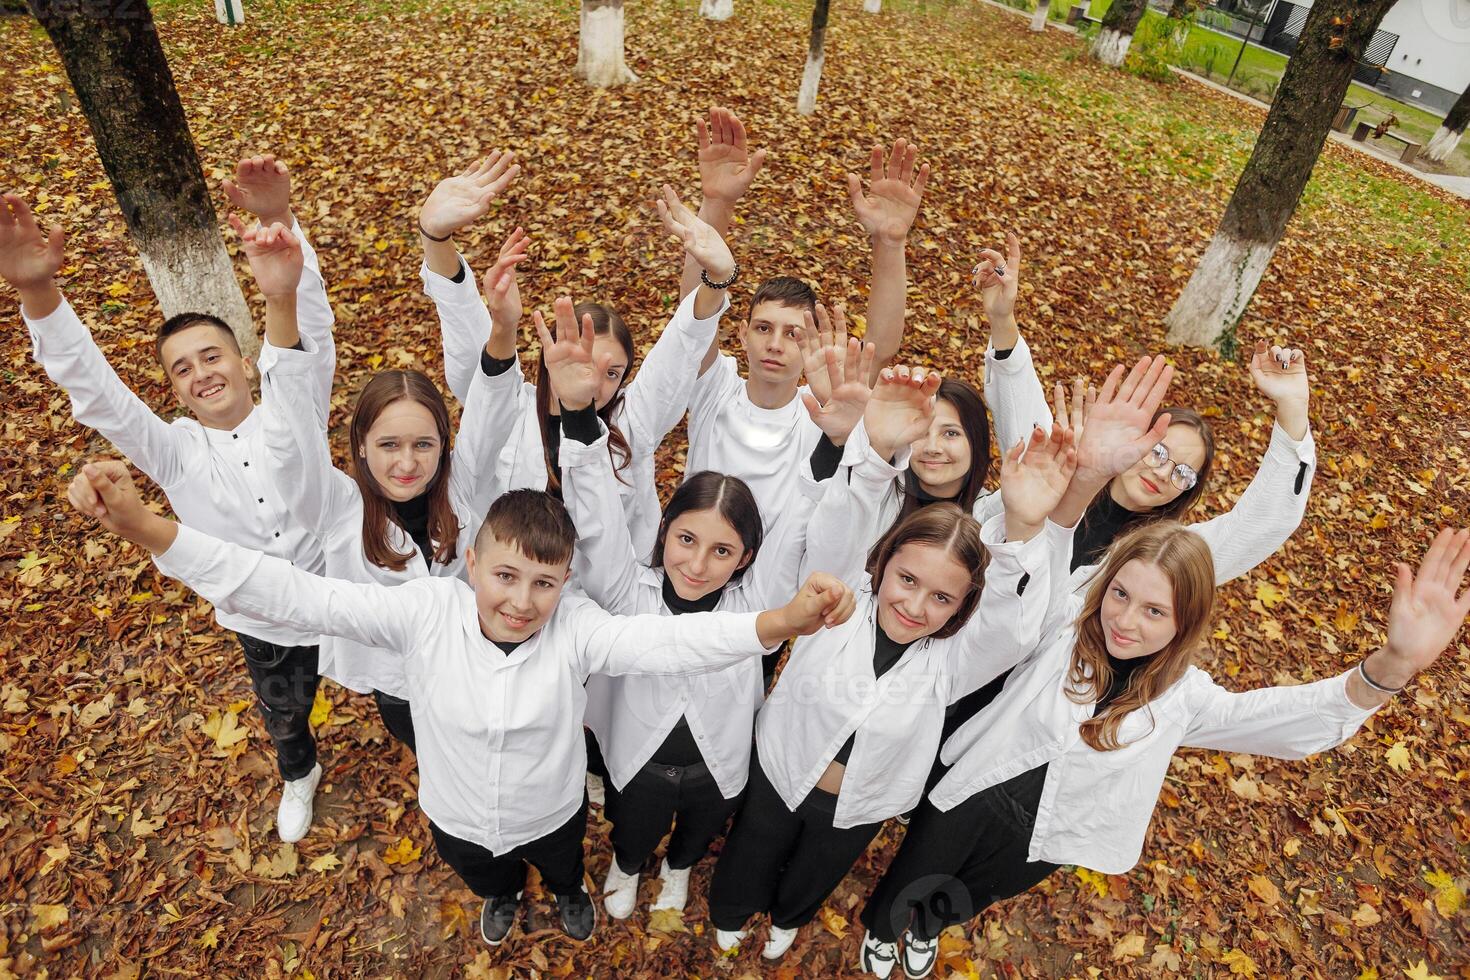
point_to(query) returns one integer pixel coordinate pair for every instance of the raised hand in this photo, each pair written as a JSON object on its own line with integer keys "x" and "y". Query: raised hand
{"x": 1426, "y": 614}
{"x": 1120, "y": 427}
{"x": 826, "y": 331}
{"x": 1280, "y": 373}
{"x": 104, "y": 491}
{"x": 459, "y": 201}
{"x": 726, "y": 165}
{"x": 900, "y": 409}
{"x": 1073, "y": 416}
{"x": 822, "y": 600}
{"x": 502, "y": 293}
{"x": 29, "y": 258}
{"x": 998, "y": 277}
{"x": 848, "y": 399}
{"x": 1034, "y": 475}
{"x": 274, "y": 254}
{"x": 571, "y": 364}
{"x": 261, "y": 186}
{"x": 701, "y": 242}
{"x": 896, "y": 188}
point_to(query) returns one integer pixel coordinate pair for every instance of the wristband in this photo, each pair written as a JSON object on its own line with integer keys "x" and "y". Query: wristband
{"x": 1363, "y": 673}
{"x": 726, "y": 284}
{"x": 431, "y": 237}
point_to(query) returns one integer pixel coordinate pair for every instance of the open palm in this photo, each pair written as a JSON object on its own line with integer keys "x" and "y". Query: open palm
{"x": 27, "y": 256}
{"x": 1280, "y": 372}
{"x": 1120, "y": 425}
{"x": 458, "y": 201}
{"x": 1035, "y": 473}
{"x": 896, "y": 188}
{"x": 900, "y": 409}
{"x": 726, "y": 166}
{"x": 701, "y": 242}
{"x": 848, "y": 399}
{"x": 261, "y": 186}
{"x": 571, "y": 364}
{"x": 1426, "y": 614}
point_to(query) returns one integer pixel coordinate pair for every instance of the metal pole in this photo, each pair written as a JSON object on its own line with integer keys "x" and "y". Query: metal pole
{"x": 1241, "y": 53}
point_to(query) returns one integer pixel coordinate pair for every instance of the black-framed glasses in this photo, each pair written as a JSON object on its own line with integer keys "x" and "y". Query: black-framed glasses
{"x": 1181, "y": 475}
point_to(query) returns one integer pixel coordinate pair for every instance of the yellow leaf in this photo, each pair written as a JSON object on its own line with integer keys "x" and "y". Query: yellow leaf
{"x": 56, "y": 856}
{"x": 1368, "y": 973}
{"x": 1346, "y": 620}
{"x": 1398, "y": 758}
{"x": 1420, "y": 971}
{"x": 373, "y": 361}
{"x": 66, "y": 765}
{"x": 1447, "y": 895}
{"x": 50, "y": 916}
{"x": 381, "y": 244}
{"x": 139, "y": 597}
{"x": 118, "y": 289}
{"x": 327, "y": 862}
{"x": 1265, "y": 889}
{"x": 666, "y": 921}
{"x": 1239, "y": 963}
{"x": 833, "y": 923}
{"x": 1098, "y": 882}
{"x": 321, "y": 709}
{"x": 1291, "y": 848}
{"x": 1269, "y": 594}
{"x": 210, "y": 939}
{"x": 1379, "y": 522}
{"x": 403, "y": 852}
{"x": 224, "y": 729}
{"x": 1366, "y": 915}
{"x": 1131, "y": 945}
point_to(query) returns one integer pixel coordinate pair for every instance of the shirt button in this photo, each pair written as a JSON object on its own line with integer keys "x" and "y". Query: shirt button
{"x": 234, "y": 435}
{"x": 260, "y": 500}
{"x": 278, "y": 534}
{"x": 247, "y": 462}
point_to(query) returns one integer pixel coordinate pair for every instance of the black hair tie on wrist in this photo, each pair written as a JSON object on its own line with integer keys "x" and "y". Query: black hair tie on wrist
{"x": 431, "y": 237}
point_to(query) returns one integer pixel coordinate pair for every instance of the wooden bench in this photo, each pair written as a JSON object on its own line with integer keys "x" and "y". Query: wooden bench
{"x": 1077, "y": 16}
{"x": 1411, "y": 149}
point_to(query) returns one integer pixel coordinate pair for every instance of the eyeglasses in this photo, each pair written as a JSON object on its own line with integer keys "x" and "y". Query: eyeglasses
{"x": 1182, "y": 475}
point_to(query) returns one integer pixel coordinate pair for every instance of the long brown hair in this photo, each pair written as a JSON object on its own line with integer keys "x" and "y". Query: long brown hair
{"x": 382, "y": 390}
{"x": 975, "y": 422}
{"x": 1185, "y": 560}
{"x": 605, "y": 322}
{"x": 950, "y": 529}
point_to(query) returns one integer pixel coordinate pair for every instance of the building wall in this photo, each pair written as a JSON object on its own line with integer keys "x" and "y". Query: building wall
{"x": 1434, "y": 45}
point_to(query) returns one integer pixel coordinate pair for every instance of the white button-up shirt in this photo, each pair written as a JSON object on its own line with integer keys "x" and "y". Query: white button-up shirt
{"x": 1095, "y": 806}
{"x": 632, "y": 715}
{"x": 220, "y": 481}
{"x": 653, "y": 401}
{"x": 500, "y": 751}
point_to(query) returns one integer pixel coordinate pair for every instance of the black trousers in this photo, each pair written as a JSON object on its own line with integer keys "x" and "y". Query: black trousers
{"x": 781, "y": 862}
{"x": 953, "y": 865}
{"x": 285, "y": 680}
{"x": 642, "y": 810}
{"x": 397, "y": 718}
{"x": 557, "y": 855}
{"x": 596, "y": 765}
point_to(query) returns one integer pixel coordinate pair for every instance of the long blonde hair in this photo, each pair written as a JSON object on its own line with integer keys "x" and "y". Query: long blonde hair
{"x": 1185, "y": 560}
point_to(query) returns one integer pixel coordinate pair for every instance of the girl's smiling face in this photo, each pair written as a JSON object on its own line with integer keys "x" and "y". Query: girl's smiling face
{"x": 402, "y": 450}
{"x": 1146, "y": 484}
{"x": 942, "y": 458}
{"x": 921, "y": 590}
{"x": 1137, "y": 611}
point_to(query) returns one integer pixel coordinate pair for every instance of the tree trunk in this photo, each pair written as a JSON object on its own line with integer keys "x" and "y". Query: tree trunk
{"x": 229, "y": 12}
{"x": 806, "y": 99}
{"x": 600, "y": 49}
{"x": 1118, "y": 25}
{"x": 1181, "y": 9}
{"x": 1447, "y": 137}
{"x": 1317, "y": 77}
{"x": 125, "y": 89}
{"x": 717, "y": 9}
{"x": 1038, "y": 19}
{"x": 873, "y": 6}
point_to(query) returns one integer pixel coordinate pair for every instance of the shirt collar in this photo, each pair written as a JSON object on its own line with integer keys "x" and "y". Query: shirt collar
{"x": 244, "y": 430}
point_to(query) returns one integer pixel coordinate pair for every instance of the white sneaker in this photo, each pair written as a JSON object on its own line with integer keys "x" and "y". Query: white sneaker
{"x": 729, "y": 940}
{"x": 293, "y": 816}
{"x": 619, "y": 891}
{"x": 919, "y": 956}
{"x": 596, "y": 794}
{"x": 877, "y": 955}
{"x": 779, "y": 943}
{"x": 675, "y": 892}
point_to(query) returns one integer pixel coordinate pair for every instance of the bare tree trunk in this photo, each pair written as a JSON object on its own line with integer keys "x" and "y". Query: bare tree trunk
{"x": 717, "y": 9}
{"x": 1118, "y": 25}
{"x": 1334, "y": 37}
{"x": 229, "y": 12}
{"x": 1038, "y": 19}
{"x": 600, "y": 59}
{"x": 873, "y": 6}
{"x": 124, "y": 87}
{"x": 811, "y": 77}
{"x": 1447, "y": 137}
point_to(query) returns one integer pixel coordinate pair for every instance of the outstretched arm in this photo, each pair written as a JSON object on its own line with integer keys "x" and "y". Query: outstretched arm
{"x": 887, "y": 212}
{"x": 1013, "y": 392}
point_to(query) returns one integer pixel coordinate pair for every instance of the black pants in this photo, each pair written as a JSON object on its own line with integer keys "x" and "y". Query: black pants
{"x": 557, "y": 855}
{"x": 953, "y": 865}
{"x": 397, "y": 718}
{"x": 781, "y": 862}
{"x": 285, "y": 680}
{"x": 596, "y": 765}
{"x": 642, "y": 810}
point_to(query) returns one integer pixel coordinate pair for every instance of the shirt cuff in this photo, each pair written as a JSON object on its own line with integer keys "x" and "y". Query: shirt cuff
{"x": 442, "y": 289}
{"x": 581, "y": 424}
{"x": 825, "y": 458}
{"x": 1029, "y": 555}
{"x": 182, "y": 560}
{"x": 302, "y": 359}
{"x": 1302, "y": 450}
{"x": 1013, "y": 361}
{"x": 494, "y": 367}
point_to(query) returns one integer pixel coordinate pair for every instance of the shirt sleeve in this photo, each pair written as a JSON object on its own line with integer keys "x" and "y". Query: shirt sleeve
{"x": 300, "y": 459}
{"x": 69, "y": 355}
{"x": 849, "y": 517}
{"x": 656, "y": 398}
{"x": 1268, "y": 512}
{"x": 1282, "y": 722}
{"x": 490, "y": 418}
{"x": 464, "y": 323}
{"x": 1014, "y": 394}
{"x": 314, "y": 319}
{"x": 604, "y": 560}
{"x": 245, "y": 582}
{"x": 693, "y": 643}
{"x": 775, "y": 574}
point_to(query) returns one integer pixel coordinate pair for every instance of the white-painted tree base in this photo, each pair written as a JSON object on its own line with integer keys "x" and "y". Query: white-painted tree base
{"x": 1442, "y": 144}
{"x": 811, "y": 77}
{"x": 1111, "y": 47}
{"x": 717, "y": 9}
{"x": 191, "y": 273}
{"x": 1038, "y": 19}
{"x": 231, "y": 12}
{"x": 1217, "y": 294}
{"x": 600, "y": 58}
{"x": 873, "y": 6}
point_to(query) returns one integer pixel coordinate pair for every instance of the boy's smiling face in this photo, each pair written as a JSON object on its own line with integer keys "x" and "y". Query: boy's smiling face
{"x": 515, "y": 595}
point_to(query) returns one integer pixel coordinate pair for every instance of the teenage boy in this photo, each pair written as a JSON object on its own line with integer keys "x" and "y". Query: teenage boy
{"x": 756, "y": 427}
{"x": 211, "y": 463}
{"x": 495, "y": 666}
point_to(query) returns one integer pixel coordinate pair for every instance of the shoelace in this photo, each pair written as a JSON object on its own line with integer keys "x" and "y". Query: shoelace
{"x": 299, "y": 790}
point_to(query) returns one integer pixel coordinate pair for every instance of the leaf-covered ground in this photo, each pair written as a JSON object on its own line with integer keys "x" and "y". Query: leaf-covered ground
{"x": 138, "y": 788}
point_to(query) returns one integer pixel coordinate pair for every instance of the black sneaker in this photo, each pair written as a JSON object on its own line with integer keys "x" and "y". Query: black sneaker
{"x": 578, "y": 913}
{"x": 498, "y": 917}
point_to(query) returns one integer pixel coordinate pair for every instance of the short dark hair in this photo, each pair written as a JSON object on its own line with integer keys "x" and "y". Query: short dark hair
{"x": 183, "y": 321}
{"x": 728, "y": 496}
{"x": 943, "y": 526}
{"x": 786, "y": 290}
{"x": 535, "y": 522}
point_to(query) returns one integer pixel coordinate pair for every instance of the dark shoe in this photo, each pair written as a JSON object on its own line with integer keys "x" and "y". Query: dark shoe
{"x": 578, "y": 914}
{"x": 498, "y": 917}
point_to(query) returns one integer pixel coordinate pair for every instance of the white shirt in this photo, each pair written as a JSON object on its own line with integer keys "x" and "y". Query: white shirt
{"x": 217, "y": 480}
{"x": 500, "y": 751}
{"x": 632, "y": 715}
{"x": 1095, "y": 806}
{"x": 765, "y": 447}
{"x": 827, "y": 691}
{"x": 1265, "y": 516}
{"x": 653, "y": 401}
{"x": 328, "y": 502}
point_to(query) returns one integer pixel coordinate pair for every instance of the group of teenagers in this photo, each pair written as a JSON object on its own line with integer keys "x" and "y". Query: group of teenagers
{"x": 1009, "y": 673}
